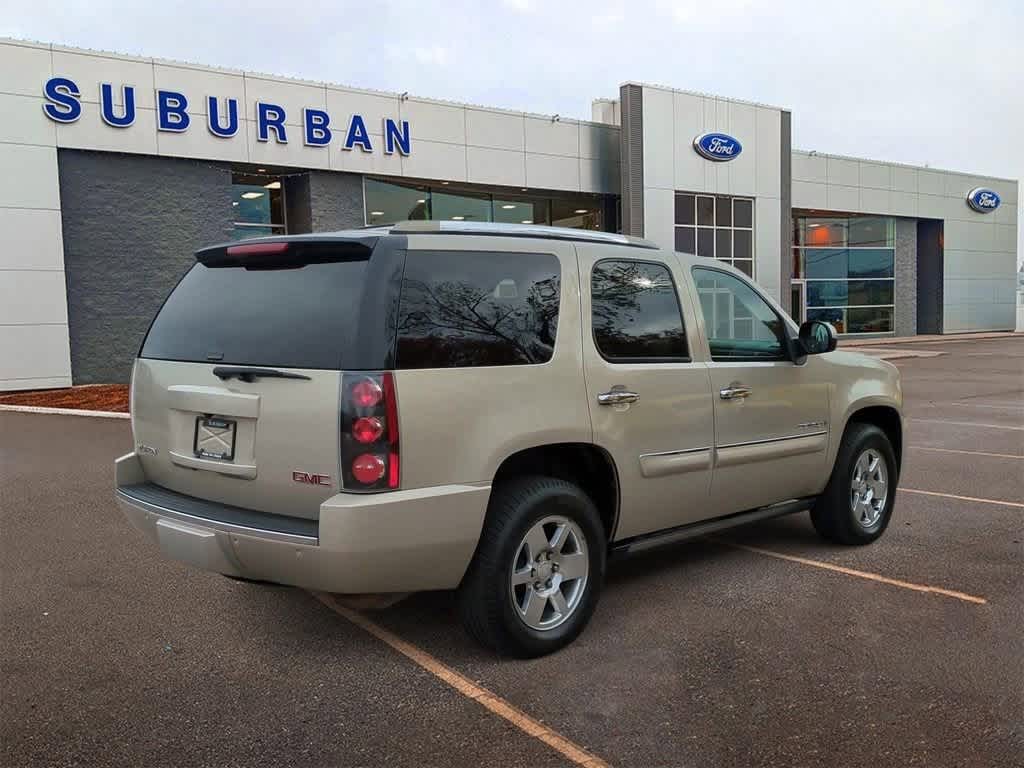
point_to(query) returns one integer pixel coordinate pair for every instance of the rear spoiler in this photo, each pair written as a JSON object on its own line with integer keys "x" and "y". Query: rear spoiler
{"x": 284, "y": 253}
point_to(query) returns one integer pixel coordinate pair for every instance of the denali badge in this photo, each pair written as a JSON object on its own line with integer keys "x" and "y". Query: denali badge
{"x": 306, "y": 477}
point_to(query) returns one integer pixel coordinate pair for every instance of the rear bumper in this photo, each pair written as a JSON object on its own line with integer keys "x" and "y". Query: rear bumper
{"x": 402, "y": 541}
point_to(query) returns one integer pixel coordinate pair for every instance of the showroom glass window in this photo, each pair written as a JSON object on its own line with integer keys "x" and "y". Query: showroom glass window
{"x": 257, "y": 206}
{"x": 717, "y": 226}
{"x": 847, "y": 263}
{"x": 388, "y": 202}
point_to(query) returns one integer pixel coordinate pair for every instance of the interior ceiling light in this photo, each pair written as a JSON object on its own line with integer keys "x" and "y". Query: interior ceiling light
{"x": 508, "y": 207}
{"x": 581, "y": 210}
{"x": 458, "y": 218}
{"x": 421, "y": 201}
{"x": 261, "y": 170}
{"x": 252, "y": 195}
{"x": 272, "y": 185}
{"x": 527, "y": 221}
{"x": 376, "y": 213}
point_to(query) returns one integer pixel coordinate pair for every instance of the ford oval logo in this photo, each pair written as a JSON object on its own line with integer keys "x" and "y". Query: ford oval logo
{"x": 717, "y": 146}
{"x": 983, "y": 200}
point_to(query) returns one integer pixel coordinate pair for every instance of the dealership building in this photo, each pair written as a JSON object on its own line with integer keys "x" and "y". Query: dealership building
{"x": 117, "y": 168}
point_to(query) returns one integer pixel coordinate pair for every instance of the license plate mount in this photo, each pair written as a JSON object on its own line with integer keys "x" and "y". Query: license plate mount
{"x": 214, "y": 438}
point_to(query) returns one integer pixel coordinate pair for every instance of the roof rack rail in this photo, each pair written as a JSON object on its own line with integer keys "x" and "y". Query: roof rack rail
{"x": 516, "y": 230}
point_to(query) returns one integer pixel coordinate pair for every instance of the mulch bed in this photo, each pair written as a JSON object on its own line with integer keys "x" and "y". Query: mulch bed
{"x": 92, "y": 397}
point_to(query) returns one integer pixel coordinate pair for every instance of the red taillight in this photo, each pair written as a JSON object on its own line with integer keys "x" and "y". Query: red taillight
{"x": 367, "y": 429}
{"x": 368, "y": 468}
{"x": 256, "y": 249}
{"x": 369, "y": 432}
{"x": 367, "y": 393}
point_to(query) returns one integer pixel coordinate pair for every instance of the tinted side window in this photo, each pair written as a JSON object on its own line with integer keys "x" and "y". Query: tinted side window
{"x": 465, "y": 308}
{"x": 636, "y": 313}
{"x": 739, "y": 323}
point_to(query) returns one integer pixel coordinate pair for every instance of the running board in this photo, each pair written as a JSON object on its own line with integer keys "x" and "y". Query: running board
{"x": 706, "y": 527}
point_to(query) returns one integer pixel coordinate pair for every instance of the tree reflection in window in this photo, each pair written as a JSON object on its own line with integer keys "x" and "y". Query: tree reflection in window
{"x": 635, "y": 312}
{"x": 466, "y": 309}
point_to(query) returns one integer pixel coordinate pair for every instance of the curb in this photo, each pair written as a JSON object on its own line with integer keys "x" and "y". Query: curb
{"x": 64, "y": 411}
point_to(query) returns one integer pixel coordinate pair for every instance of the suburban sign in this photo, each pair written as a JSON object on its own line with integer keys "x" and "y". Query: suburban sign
{"x": 63, "y": 105}
{"x": 983, "y": 200}
{"x": 717, "y": 146}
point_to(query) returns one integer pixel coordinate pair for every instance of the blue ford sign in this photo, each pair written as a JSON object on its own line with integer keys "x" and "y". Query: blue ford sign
{"x": 175, "y": 114}
{"x": 717, "y": 146}
{"x": 983, "y": 200}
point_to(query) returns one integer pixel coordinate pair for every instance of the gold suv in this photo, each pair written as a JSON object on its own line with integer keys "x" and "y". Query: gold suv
{"x": 497, "y": 409}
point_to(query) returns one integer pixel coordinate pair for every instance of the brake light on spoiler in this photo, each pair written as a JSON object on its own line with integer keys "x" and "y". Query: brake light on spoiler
{"x": 256, "y": 249}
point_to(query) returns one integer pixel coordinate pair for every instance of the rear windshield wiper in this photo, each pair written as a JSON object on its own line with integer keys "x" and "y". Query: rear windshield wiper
{"x": 224, "y": 373}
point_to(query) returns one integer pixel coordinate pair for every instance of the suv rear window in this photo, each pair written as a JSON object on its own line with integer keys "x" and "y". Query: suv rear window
{"x": 466, "y": 308}
{"x": 288, "y": 317}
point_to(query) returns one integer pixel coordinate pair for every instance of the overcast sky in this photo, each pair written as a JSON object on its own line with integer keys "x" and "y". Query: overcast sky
{"x": 939, "y": 82}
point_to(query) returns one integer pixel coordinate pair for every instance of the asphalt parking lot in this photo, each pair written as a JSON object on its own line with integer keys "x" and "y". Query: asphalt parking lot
{"x": 763, "y": 646}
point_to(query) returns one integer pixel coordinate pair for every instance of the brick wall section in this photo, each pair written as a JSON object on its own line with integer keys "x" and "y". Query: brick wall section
{"x": 906, "y": 277}
{"x": 131, "y": 225}
{"x": 336, "y": 200}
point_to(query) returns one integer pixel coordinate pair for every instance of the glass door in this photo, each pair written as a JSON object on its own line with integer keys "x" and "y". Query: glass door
{"x": 798, "y": 301}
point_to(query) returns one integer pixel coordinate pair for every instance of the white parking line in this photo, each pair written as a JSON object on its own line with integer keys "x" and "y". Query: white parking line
{"x": 998, "y": 502}
{"x": 967, "y": 424}
{"x": 997, "y": 407}
{"x": 972, "y": 453}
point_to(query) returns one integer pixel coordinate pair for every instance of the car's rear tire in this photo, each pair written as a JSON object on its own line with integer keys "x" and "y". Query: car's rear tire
{"x": 857, "y": 503}
{"x": 537, "y": 573}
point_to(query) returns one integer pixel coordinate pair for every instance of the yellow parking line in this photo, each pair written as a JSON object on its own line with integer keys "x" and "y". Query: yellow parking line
{"x": 859, "y": 574}
{"x": 492, "y": 702}
{"x": 964, "y": 498}
{"x": 972, "y": 453}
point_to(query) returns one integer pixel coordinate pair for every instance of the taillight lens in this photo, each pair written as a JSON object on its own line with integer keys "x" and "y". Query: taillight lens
{"x": 367, "y": 429}
{"x": 369, "y": 432}
{"x": 367, "y": 393}
{"x": 368, "y": 468}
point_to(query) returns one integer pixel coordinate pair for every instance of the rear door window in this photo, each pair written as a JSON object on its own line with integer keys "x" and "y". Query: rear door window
{"x": 636, "y": 313}
{"x": 468, "y": 308}
{"x": 283, "y": 316}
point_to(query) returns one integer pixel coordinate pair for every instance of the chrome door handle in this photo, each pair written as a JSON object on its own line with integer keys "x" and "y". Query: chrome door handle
{"x": 617, "y": 397}
{"x": 735, "y": 391}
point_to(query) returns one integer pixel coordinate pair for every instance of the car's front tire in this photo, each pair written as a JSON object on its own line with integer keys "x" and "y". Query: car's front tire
{"x": 537, "y": 573}
{"x": 857, "y": 503}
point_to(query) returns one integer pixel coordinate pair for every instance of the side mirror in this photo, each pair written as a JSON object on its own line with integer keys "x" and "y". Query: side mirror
{"x": 817, "y": 337}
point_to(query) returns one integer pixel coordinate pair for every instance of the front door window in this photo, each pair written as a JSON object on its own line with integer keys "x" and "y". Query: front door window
{"x": 739, "y": 323}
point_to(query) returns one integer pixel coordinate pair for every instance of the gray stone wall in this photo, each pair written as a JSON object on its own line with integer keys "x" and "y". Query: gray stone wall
{"x": 906, "y": 277}
{"x": 336, "y": 200}
{"x": 131, "y": 225}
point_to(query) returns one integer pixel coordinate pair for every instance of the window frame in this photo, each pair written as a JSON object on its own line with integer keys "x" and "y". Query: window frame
{"x": 615, "y": 360}
{"x": 785, "y": 340}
